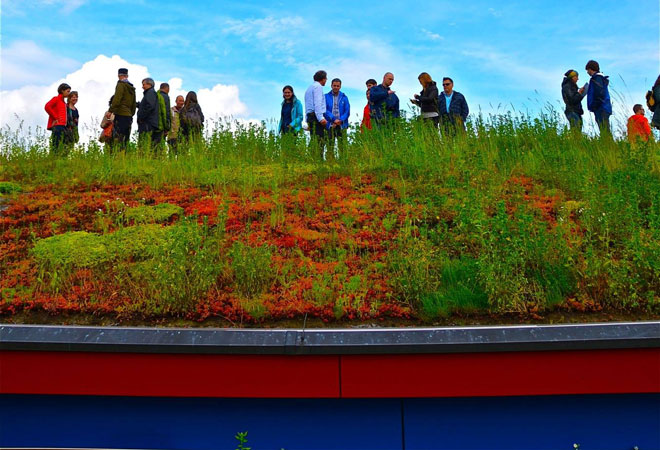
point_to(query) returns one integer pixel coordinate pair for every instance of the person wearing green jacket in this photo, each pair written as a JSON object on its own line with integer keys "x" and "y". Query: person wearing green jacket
{"x": 292, "y": 112}
{"x": 123, "y": 107}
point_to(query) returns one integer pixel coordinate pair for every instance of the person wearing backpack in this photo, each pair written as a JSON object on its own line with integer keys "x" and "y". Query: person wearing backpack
{"x": 655, "y": 97}
{"x": 191, "y": 117}
{"x": 598, "y": 97}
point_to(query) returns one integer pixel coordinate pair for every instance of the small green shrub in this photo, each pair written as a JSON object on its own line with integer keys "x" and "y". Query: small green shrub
{"x": 522, "y": 265}
{"x": 413, "y": 265}
{"x": 182, "y": 265}
{"x": 7, "y": 187}
{"x": 251, "y": 267}
{"x": 160, "y": 213}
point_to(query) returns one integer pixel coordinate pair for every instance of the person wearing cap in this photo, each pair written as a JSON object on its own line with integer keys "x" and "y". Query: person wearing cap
{"x": 57, "y": 118}
{"x": 123, "y": 107}
{"x": 573, "y": 99}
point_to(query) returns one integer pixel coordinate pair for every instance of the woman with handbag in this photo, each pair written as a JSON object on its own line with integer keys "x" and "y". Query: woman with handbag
{"x": 107, "y": 135}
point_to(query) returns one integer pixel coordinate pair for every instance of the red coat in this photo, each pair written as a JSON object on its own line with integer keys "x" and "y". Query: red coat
{"x": 638, "y": 127}
{"x": 366, "y": 118}
{"x": 56, "y": 109}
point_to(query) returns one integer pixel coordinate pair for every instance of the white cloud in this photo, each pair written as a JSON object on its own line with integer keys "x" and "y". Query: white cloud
{"x": 23, "y": 63}
{"x": 95, "y": 81}
{"x": 431, "y": 35}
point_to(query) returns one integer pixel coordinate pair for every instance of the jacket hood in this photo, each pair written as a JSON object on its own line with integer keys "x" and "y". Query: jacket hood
{"x": 566, "y": 81}
{"x": 606, "y": 79}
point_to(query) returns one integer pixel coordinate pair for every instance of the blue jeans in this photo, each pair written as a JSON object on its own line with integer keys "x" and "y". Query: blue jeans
{"x": 603, "y": 121}
{"x": 574, "y": 120}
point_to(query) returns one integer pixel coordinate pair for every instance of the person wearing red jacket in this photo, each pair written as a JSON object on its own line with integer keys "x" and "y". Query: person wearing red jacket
{"x": 639, "y": 129}
{"x": 366, "y": 115}
{"x": 56, "y": 109}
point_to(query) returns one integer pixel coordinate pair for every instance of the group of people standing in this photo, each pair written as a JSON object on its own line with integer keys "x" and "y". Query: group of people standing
{"x": 157, "y": 120}
{"x": 599, "y": 103}
{"x": 327, "y": 114}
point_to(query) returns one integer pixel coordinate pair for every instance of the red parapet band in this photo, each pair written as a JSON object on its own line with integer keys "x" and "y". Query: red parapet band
{"x": 332, "y": 376}
{"x": 168, "y": 375}
{"x": 502, "y": 374}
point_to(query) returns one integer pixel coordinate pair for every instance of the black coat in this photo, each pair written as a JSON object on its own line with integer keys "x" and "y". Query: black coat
{"x": 428, "y": 98}
{"x": 147, "y": 116}
{"x": 571, "y": 96}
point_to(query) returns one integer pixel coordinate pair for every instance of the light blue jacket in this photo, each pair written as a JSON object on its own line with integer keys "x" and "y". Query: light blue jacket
{"x": 296, "y": 116}
{"x": 344, "y": 109}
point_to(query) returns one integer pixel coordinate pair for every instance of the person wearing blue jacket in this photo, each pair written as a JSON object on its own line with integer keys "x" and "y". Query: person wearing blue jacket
{"x": 598, "y": 97}
{"x": 452, "y": 107}
{"x": 337, "y": 112}
{"x": 292, "y": 112}
{"x": 383, "y": 102}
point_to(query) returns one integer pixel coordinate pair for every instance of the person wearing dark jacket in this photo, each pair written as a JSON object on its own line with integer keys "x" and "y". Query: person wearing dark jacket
{"x": 598, "y": 97}
{"x": 655, "y": 120}
{"x": 452, "y": 107}
{"x": 427, "y": 100}
{"x": 148, "y": 114}
{"x": 123, "y": 107}
{"x": 383, "y": 101}
{"x": 192, "y": 118}
{"x": 573, "y": 99}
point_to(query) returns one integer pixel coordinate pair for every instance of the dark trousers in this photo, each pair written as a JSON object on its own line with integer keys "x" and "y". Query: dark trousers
{"x": 57, "y": 142}
{"x": 156, "y": 137}
{"x": 603, "y": 121}
{"x": 432, "y": 120}
{"x": 122, "y": 130}
{"x": 450, "y": 125}
{"x": 336, "y": 134}
{"x": 316, "y": 132}
{"x": 574, "y": 120}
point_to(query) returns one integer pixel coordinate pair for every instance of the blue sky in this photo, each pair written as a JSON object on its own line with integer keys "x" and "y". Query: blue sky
{"x": 501, "y": 55}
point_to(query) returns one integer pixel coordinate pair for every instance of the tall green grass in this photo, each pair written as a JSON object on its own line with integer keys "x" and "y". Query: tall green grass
{"x": 477, "y": 245}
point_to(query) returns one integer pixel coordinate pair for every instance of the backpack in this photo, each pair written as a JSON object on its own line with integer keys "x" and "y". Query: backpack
{"x": 650, "y": 100}
{"x": 192, "y": 118}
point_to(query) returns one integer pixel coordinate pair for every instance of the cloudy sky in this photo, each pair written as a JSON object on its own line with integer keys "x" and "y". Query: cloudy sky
{"x": 237, "y": 55}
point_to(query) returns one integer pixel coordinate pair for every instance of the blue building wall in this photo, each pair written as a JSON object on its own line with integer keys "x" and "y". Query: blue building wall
{"x": 539, "y": 422}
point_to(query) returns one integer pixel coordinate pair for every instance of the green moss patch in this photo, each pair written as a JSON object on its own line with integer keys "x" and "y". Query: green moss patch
{"x": 161, "y": 213}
